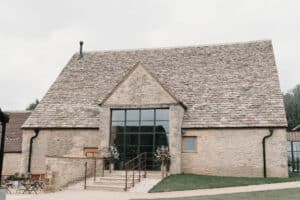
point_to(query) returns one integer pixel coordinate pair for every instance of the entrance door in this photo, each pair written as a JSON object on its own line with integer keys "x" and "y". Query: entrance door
{"x": 134, "y": 131}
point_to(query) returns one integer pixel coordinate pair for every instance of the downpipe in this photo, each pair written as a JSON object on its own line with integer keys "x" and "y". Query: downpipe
{"x": 37, "y": 131}
{"x": 264, "y": 151}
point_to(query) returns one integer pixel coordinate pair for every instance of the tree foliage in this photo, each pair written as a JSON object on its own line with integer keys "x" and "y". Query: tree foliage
{"x": 33, "y": 105}
{"x": 292, "y": 107}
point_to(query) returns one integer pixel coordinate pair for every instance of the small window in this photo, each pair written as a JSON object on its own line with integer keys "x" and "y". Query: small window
{"x": 91, "y": 152}
{"x": 189, "y": 144}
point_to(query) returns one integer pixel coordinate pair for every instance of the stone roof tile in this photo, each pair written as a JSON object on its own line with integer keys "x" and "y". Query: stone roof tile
{"x": 13, "y": 139}
{"x": 227, "y": 85}
{"x": 297, "y": 128}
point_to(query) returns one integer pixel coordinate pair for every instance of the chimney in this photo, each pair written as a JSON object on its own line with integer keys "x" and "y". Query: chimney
{"x": 80, "y": 50}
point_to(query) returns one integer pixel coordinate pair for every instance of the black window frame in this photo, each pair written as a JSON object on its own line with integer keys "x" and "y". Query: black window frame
{"x": 140, "y": 145}
{"x": 293, "y": 154}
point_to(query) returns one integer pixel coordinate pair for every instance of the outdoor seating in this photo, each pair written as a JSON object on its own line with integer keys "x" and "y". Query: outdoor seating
{"x": 29, "y": 187}
{"x": 7, "y": 184}
{"x": 38, "y": 181}
{"x": 32, "y": 183}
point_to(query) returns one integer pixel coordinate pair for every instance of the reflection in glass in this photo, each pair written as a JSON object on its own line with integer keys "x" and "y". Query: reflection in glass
{"x": 133, "y": 115}
{"x": 162, "y": 126}
{"x": 118, "y": 115}
{"x": 134, "y": 131}
{"x": 146, "y": 139}
{"x": 162, "y": 114}
{"x": 132, "y": 126}
{"x": 147, "y": 115}
{"x": 132, "y": 139}
{"x": 161, "y": 140}
{"x": 147, "y": 126}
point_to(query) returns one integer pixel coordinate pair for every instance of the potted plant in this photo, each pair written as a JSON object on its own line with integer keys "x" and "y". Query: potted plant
{"x": 163, "y": 156}
{"x": 114, "y": 156}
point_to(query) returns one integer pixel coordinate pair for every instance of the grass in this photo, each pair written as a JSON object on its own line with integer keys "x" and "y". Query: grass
{"x": 191, "y": 182}
{"x": 290, "y": 194}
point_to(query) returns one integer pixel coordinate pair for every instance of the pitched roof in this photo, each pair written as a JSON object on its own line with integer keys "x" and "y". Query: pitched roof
{"x": 13, "y": 136}
{"x": 297, "y": 128}
{"x": 227, "y": 85}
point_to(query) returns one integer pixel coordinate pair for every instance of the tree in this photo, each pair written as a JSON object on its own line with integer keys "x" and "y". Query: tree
{"x": 292, "y": 107}
{"x": 33, "y": 105}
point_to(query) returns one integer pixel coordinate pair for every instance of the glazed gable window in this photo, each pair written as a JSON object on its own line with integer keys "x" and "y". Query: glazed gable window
{"x": 189, "y": 144}
{"x": 136, "y": 130}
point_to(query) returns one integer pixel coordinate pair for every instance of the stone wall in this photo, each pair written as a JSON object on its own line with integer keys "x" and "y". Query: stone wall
{"x": 104, "y": 129}
{"x": 56, "y": 142}
{"x": 64, "y": 170}
{"x": 236, "y": 152}
{"x": 139, "y": 88}
{"x": 11, "y": 163}
{"x": 176, "y": 117}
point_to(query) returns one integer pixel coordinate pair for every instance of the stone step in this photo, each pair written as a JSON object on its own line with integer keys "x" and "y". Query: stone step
{"x": 116, "y": 178}
{"x": 106, "y": 187}
{"x": 130, "y": 174}
{"x": 130, "y": 171}
{"x": 108, "y": 182}
{"x": 135, "y": 176}
{"x": 123, "y": 175}
{"x": 117, "y": 182}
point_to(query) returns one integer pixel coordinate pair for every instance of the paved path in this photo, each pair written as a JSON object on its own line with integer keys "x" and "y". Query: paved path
{"x": 105, "y": 195}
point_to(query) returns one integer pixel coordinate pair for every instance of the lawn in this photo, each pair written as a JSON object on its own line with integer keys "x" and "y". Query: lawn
{"x": 192, "y": 182}
{"x": 290, "y": 194}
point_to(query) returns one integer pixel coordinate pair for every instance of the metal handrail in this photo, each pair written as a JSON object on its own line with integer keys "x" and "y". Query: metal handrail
{"x": 85, "y": 174}
{"x": 94, "y": 172}
{"x": 130, "y": 165}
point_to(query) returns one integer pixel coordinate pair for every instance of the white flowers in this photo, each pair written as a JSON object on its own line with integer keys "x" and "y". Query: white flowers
{"x": 162, "y": 154}
{"x": 114, "y": 153}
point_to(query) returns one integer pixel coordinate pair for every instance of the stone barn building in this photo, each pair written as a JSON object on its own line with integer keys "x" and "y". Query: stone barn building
{"x": 13, "y": 143}
{"x": 213, "y": 106}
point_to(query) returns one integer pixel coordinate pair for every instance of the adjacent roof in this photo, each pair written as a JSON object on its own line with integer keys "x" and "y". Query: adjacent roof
{"x": 13, "y": 139}
{"x": 227, "y": 85}
{"x": 297, "y": 128}
{"x": 293, "y": 136}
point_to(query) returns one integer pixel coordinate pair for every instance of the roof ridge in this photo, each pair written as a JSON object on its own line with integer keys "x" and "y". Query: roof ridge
{"x": 176, "y": 47}
{"x": 17, "y": 111}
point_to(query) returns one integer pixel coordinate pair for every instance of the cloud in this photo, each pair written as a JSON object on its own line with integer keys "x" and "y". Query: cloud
{"x": 38, "y": 37}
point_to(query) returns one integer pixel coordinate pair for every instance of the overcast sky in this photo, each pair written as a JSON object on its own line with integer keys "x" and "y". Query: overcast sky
{"x": 37, "y": 38}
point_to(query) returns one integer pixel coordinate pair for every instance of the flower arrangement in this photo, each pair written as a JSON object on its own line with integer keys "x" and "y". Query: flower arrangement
{"x": 114, "y": 153}
{"x": 162, "y": 154}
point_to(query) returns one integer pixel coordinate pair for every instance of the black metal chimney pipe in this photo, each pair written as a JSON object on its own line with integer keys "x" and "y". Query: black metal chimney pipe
{"x": 4, "y": 119}
{"x": 80, "y": 50}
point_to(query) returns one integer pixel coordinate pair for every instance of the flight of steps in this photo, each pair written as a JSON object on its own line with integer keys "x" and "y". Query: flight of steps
{"x": 115, "y": 181}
